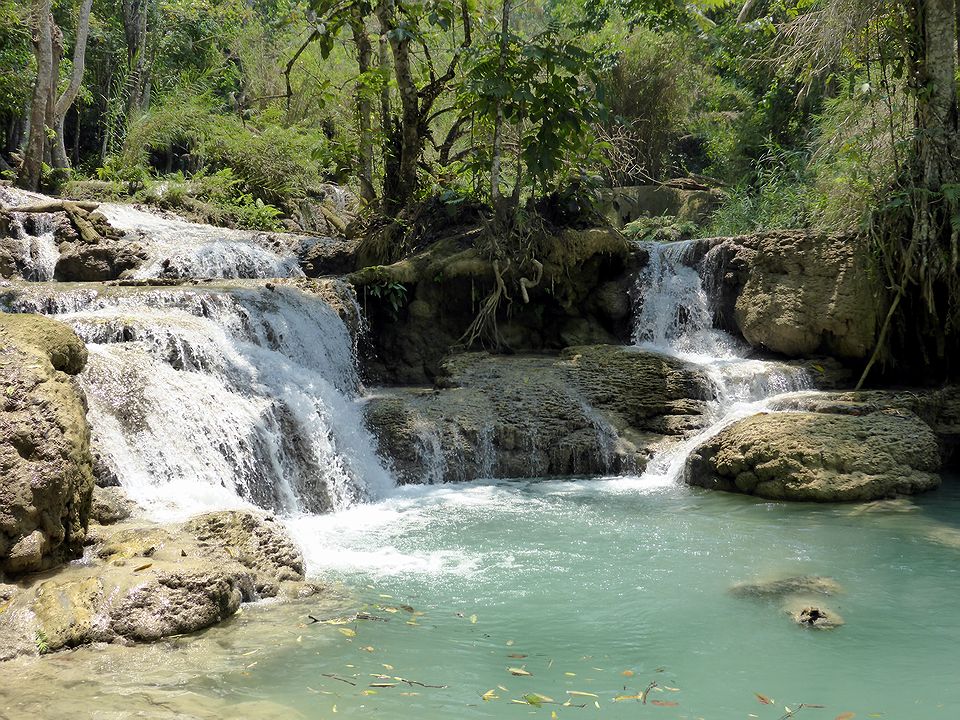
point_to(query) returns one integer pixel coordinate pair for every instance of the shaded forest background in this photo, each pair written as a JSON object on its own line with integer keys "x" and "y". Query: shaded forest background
{"x": 839, "y": 115}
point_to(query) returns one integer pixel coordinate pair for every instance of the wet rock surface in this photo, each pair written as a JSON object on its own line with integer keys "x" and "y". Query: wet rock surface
{"x": 45, "y": 464}
{"x": 820, "y": 457}
{"x": 143, "y": 582}
{"x": 592, "y": 409}
{"x": 799, "y": 293}
{"x": 802, "y": 598}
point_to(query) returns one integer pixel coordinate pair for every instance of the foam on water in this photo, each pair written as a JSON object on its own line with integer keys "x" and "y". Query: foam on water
{"x": 181, "y": 249}
{"x": 203, "y": 399}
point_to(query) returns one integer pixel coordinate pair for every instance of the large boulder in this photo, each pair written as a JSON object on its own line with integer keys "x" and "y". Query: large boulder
{"x": 819, "y": 457}
{"x": 46, "y": 475}
{"x": 144, "y": 582}
{"x": 799, "y": 293}
{"x": 590, "y": 410}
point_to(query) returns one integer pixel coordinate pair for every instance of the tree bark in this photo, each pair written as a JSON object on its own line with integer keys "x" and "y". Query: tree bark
{"x": 60, "y": 159}
{"x": 42, "y": 27}
{"x": 937, "y": 118}
{"x": 402, "y": 188}
{"x": 364, "y": 104}
{"x": 496, "y": 198}
{"x": 135, "y": 32}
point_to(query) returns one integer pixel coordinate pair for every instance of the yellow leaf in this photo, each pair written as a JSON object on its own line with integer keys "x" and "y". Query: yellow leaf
{"x": 628, "y": 673}
{"x": 621, "y": 698}
{"x": 490, "y": 695}
{"x": 369, "y": 692}
{"x": 519, "y": 672}
{"x": 570, "y": 674}
{"x": 368, "y": 648}
{"x": 578, "y": 693}
{"x": 553, "y": 715}
{"x": 473, "y": 619}
{"x": 671, "y": 689}
{"x": 383, "y": 685}
{"x": 845, "y": 716}
{"x": 388, "y": 667}
{"x": 347, "y": 632}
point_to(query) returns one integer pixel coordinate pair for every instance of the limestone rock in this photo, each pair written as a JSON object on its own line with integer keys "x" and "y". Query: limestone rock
{"x": 796, "y": 292}
{"x": 779, "y": 588}
{"x": 110, "y": 505}
{"x": 45, "y": 464}
{"x": 592, "y": 409}
{"x": 108, "y": 259}
{"x": 819, "y": 457}
{"x": 144, "y": 582}
{"x": 258, "y": 544}
{"x": 815, "y": 616}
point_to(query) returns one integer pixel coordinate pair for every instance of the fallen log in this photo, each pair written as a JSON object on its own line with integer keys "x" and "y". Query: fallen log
{"x": 53, "y": 206}
{"x": 78, "y": 217}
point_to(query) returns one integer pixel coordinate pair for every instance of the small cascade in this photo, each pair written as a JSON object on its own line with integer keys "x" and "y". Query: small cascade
{"x": 178, "y": 249}
{"x": 32, "y": 246}
{"x": 210, "y": 397}
{"x": 674, "y": 317}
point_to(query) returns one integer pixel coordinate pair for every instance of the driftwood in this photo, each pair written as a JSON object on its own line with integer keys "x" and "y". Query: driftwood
{"x": 77, "y": 211}
{"x": 53, "y": 206}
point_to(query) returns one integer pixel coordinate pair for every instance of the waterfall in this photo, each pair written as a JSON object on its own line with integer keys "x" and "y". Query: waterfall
{"x": 673, "y": 316}
{"x": 209, "y": 397}
{"x": 33, "y": 246}
{"x": 178, "y": 249}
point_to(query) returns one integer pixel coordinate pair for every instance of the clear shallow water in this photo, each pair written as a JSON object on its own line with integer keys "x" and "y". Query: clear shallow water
{"x": 595, "y": 577}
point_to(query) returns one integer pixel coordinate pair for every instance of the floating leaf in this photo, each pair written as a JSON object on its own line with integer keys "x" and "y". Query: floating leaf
{"x": 517, "y": 656}
{"x": 490, "y": 695}
{"x": 579, "y": 693}
{"x": 473, "y": 619}
{"x": 628, "y": 673}
{"x": 763, "y": 699}
{"x": 845, "y": 716}
{"x": 664, "y": 703}
{"x": 383, "y": 684}
{"x": 621, "y": 698}
{"x": 553, "y": 715}
{"x": 519, "y": 672}
{"x": 369, "y": 692}
{"x": 388, "y": 667}
{"x": 348, "y": 632}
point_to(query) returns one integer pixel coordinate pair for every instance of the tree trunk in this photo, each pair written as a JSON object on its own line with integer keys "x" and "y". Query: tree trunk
{"x": 937, "y": 101}
{"x": 496, "y": 198}
{"x": 410, "y": 140}
{"x": 363, "y": 101}
{"x": 60, "y": 159}
{"x": 42, "y": 27}
{"x": 135, "y": 33}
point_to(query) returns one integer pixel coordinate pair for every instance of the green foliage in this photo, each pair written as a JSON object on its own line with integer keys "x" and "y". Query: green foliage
{"x": 543, "y": 85}
{"x": 41, "y": 642}
{"x": 392, "y": 294}
{"x": 664, "y": 228}
{"x": 780, "y": 197}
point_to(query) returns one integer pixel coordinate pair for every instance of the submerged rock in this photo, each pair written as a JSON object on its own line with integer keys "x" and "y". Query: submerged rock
{"x": 779, "y": 588}
{"x": 819, "y": 457}
{"x": 800, "y": 597}
{"x": 590, "y": 410}
{"x": 45, "y": 464}
{"x": 144, "y": 582}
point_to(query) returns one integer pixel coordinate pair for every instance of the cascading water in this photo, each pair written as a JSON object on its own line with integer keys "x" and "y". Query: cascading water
{"x": 674, "y": 317}
{"x": 33, "y": 246}
{"x": 178, "y": 249}
{"x": 204, "y": 398}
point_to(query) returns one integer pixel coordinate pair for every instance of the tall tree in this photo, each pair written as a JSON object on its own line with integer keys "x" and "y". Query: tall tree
{"x": 46, "y": 40}
{"x": 66, "y": 99}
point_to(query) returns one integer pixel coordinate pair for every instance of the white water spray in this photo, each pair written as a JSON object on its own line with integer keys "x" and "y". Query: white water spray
{"x": 674, "y": 317}
{"x": 208, "y": 398}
